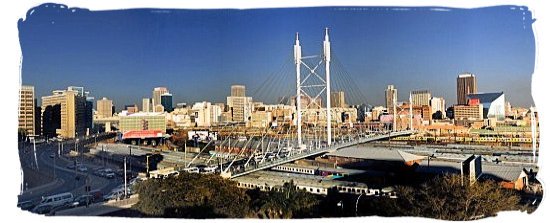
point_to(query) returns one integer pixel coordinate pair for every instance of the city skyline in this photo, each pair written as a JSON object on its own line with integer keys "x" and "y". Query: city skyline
{"x": 172, "y": 48}
{"x": 258, "y": 108}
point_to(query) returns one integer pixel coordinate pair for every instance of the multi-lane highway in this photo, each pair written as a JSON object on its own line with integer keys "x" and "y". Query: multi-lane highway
{"x": 67, "y": 180}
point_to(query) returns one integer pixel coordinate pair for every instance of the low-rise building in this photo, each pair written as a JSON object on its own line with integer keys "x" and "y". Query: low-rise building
{"x": 143, "y": 121}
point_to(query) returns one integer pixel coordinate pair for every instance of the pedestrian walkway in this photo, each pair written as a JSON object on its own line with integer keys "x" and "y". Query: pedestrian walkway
{"x": 100, "y": 208}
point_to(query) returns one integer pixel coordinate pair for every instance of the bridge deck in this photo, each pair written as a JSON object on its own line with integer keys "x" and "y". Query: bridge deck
{"x": 312, "y": 152}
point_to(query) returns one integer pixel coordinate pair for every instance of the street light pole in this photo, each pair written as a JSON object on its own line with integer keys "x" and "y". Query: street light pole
{"x": 341, "y": 205}
{"x": 148, "y": 165}
{"x": 357, "y": 203}
{"x": 103, "y": 154}
{"x": 34, "y": 150}
{"x": 125, "y": 189}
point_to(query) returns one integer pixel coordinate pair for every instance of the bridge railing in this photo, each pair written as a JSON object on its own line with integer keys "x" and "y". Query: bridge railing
{"x": 337, "y": 144}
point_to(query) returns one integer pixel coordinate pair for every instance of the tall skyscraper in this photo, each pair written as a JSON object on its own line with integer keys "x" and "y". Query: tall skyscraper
{"x": 239, "y": 105}
{"x": 157, "y": 92}
{"x": 146, "y": 105}
{"x": 465, "y": 84}
{"x": 421, "y": 97}
{"x": 337, "y": 99}
{"x": 104, "y": 108}
{"x": 238, "y": 90}
{"x": 391, "y": 97}
{"x": 27, "y": 110}
{"x": 166, "y": 102}
{"x": 65, "y": 113}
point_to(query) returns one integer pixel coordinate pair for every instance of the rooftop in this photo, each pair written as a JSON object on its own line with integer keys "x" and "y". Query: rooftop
{"x": 486, "y": 97}
{"x": 376, "y": 154}
{"x": 489, "y": 170}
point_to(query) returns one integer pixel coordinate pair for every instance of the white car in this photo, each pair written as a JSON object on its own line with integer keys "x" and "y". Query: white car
{"x": 53, "y": 201}
{"x": 192, "y": 170}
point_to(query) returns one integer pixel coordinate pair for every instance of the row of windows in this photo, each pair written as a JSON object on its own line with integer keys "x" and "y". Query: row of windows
{"x": 295, "y": 170}
{"x": 262, "y": 187}
{"x": 466, "y": 139}
{"x": 341, "y": 189}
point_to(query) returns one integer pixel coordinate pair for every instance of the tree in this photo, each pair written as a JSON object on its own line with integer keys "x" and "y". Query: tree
{"x": 192, "y": 196}
{"x": 445, "y": 197}
{"x": 289, "y": 202}
{"x": 437, "y": 115}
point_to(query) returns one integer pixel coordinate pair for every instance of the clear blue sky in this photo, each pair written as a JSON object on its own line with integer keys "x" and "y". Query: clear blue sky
{"x": 198, "y": 54}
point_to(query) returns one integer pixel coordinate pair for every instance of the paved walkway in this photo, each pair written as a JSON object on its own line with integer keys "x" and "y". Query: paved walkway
{"x": 100, "y": 208}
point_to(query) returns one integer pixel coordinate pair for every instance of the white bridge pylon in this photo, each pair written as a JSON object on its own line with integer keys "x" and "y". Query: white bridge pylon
{"x": 301, "y": 84}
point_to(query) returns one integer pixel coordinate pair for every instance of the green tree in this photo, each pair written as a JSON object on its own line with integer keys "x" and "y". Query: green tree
{"x": 289, "y": 202}
{"x": 192, "y": 196}
{"x": 445, "y": 197}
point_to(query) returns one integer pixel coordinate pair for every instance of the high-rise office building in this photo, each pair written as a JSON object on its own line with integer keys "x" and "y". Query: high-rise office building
{"x": 65, "y": 113}
{"x": 337, "y": 99}
{"x": 27, "y": 110}
{"x": 104, "y": 108}
{"x": 166, "y": 102}
{"x": 37, "y": 119}
{"x": 146, "y": 105}
{"x": 421, "y": 97}
{"x": 239, "y": 105}
{"x": 157, "y": 92}
{"x": 391, "y": 97}
{"x": 238, "y": 90}
{"x": 89, "y": 112}
{"x": 206, "y": 113}
{"x": 494, "y": 104}
{"x": 465, "y": 84}
{"x": 438, "y": 104}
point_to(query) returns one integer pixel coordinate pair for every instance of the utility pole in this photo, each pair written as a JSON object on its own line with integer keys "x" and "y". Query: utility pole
{"x": 125, "y": 189}
{"x": 534, "y": 133}
{"x": 54, "y": 155}
{"x": 34, "y": 149}
{"x": 147, "y": 164}
{"x": 103, "y": 154}
{"x": 410, "y": 111}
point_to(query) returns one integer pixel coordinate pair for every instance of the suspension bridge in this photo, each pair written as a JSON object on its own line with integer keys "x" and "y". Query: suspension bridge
{"x": 326, "y": 128}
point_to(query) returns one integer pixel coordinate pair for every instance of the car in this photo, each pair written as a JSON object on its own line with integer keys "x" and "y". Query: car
{"x": 42, "y": 209}
{"x": 118, "y": 193}
{"x": 97, "y": 195}
{"x": 107, "y": 173}
{"x": 50, "y": 202}
{"x": 192, "y": 169}
{"x": 26, "y": 205}
{"x": 82, "y": 168}
{"x": 99, "y": 172}
{"x": 82, "y": 200}
{"x": 70, "y": 166}
{"x": 52, "y": 155}
{"x": 136, "y": 180}
{"x": 113, "y": 195}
